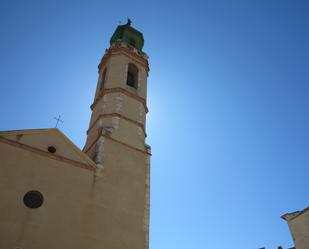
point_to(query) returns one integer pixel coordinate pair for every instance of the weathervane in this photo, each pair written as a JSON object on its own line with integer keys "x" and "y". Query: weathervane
{"x": 58, "y": 120}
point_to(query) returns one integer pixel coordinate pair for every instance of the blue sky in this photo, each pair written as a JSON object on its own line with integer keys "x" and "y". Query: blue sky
{"x": 228, "y": 100}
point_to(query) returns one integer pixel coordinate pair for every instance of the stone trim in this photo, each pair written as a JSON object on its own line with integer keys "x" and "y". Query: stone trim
{"x": 46, "y": 154}
{"x": 114, "y": 114}
{"x": 117, "y": 90}
{"x": 117, "y": 141}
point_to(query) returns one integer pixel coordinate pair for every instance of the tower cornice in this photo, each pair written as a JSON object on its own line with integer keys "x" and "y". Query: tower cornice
{"x": 141, "y": 125}
{"x": 121, "y": 48}
{"x": 87, "y": 148}
{"x": 121, "y": 90}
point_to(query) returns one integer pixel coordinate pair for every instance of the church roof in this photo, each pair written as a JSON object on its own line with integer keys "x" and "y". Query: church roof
{"x": 43, "y": 139}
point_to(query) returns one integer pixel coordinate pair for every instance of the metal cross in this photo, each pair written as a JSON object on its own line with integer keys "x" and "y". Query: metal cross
{"x": 58, "y": 120}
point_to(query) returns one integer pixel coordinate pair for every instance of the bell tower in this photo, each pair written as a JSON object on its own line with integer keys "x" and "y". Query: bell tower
{"x": 116, "y": 143}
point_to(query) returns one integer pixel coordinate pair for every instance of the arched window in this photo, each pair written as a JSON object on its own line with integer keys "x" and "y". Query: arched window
{"x": 132, "y": 75}
{"x": 103, "y": 79}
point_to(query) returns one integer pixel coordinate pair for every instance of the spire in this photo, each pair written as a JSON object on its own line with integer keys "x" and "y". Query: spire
{"x": 128, "y": 35}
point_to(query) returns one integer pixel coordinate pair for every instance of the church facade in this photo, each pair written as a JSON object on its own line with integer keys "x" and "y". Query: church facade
{"x": 56, "y": 196}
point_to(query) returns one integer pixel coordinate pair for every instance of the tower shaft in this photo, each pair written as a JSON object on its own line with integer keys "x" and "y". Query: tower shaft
{"x": 116, "y": 143}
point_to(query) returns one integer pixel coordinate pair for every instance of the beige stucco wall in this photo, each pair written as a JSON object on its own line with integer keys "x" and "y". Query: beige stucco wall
{"x": 79, "y": 210}
{"x": 57, "y": 224}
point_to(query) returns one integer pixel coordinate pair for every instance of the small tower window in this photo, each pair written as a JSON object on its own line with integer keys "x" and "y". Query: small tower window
{"x": 132, "y": 76}
{"x": 103, "y": 79}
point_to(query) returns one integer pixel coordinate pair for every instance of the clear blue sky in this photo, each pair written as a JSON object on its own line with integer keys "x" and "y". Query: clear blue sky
{"x": 228, "y": 100}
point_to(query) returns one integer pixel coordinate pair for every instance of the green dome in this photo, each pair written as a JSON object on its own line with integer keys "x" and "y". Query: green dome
{"x": 125, "y": 33}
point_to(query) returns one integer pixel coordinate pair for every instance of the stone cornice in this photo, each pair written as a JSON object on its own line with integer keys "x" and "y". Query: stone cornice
{"x": 117, "y": 141}
{"x": 46, "y": 154}
{"x": 114, "y": 114}
{"x": 121, "y": 90}
{"x": 128, "y": 51}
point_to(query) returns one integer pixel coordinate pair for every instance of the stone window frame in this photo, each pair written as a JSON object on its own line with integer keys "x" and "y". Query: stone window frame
{"x": 133, "y": 71}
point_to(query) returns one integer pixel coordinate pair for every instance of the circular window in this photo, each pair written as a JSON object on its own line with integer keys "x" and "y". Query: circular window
{"x": 33, "y": 199}
{"x": 51, "y": 149}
